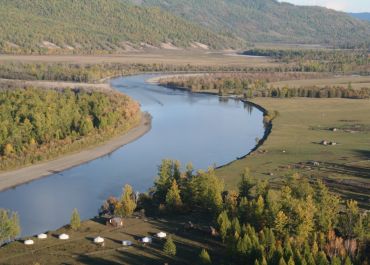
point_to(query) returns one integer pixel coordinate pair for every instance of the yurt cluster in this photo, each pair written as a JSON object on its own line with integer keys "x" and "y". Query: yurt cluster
{"x": 100, "y": 240}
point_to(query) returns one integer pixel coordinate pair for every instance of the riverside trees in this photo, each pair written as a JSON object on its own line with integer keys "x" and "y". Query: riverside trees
{"x": 9, "y": 226}
{"x": 37, "y": 124}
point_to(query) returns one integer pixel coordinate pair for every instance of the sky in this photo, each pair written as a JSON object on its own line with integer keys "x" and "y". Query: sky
{"x": 341, "y": 5}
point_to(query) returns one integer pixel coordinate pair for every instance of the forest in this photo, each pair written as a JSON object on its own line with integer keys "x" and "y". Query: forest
{"x": 93, "y": 27}
{"x": 249, "y": 85}
{"x": 301, "y": 222}
{"x": 270, "y": 21}
{"x": 39, "y": 124}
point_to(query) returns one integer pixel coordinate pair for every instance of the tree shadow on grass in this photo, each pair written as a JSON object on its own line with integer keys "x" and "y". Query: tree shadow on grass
{"x": 356, "y": 171}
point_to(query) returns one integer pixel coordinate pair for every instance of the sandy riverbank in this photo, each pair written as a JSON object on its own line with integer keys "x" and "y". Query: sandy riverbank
{"x": 156, "y": 79}
{"x": 17, "y": 177}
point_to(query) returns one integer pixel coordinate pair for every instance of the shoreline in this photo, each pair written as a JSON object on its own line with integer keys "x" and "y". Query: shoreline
{"x": 26, "y": 174}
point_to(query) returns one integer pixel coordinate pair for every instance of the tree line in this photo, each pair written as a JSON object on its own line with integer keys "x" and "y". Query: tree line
{"x": 319, "y": 60}
{"x": 251, "y": 85}
{"x": 38, "y": 124}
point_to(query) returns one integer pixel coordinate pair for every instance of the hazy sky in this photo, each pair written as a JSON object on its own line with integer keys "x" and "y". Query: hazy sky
{"x": 342, "y": 5}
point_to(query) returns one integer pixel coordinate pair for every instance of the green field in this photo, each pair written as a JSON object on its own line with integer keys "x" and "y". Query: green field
{"x": 295, "y": 142}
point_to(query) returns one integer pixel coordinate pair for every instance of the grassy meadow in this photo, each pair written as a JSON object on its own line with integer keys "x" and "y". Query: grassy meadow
{"x": 80, "y": 249}
{"x": 294, "y": 144}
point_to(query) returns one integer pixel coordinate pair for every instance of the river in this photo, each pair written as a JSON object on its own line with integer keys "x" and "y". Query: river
{"x": 198, "y": 128}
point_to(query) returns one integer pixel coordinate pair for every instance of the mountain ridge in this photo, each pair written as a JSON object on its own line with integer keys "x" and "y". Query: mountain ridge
{"x": 54, "y": 26}
{"x": 268, "y": 20}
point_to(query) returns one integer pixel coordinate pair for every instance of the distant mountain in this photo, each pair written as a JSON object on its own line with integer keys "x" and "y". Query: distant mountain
{"x": 363, "y": 16}
{"x": 268, "y": 20}
{"x": 91, "y": 26}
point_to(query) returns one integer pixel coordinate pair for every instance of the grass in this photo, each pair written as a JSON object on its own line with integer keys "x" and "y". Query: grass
{"x": 357, "y": 82}
{"x": 295, "y": 142}
{"x": 80, "y": 249}
{"x": 182, "y": 57}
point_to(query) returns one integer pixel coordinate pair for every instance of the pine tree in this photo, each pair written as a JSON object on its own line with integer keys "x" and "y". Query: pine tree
{"x": 223, "y": 224}
{"x": 235, "y": 226}
{"x": 75, "y": 223}
{"x": 321, "y": 258}
{"x": 246, "y": 184}
{"x": 336, "y": 261}
{"x": 169, "y": 247}
{"x": 347, "y": 261}
{"x": 128, "y": 201}
{"x": 291, "y": 261}
{"x": 173, "y": 198}
{"x": 282, "y": 261}
{"x": 204, "y": 257}
{"x": 281, "y": 223}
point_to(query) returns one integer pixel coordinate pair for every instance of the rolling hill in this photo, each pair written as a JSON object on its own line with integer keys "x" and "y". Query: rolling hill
{"x": 85, "y": 26}
{"x": 269, "y": 20}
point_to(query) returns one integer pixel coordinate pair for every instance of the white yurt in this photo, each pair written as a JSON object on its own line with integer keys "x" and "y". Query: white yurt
{"x": 161, "y": 235}
{"x": 126, "y": 243}
{"x": 29, "y": 242}
{"x": 42, "y": 236}
{"x": 146, "y": 240}
{"x": 98, "y": 240}
{"x": 63, "y": 237}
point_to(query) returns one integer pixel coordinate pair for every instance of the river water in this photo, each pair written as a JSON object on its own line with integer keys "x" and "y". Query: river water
{"x": 197, "y": 128}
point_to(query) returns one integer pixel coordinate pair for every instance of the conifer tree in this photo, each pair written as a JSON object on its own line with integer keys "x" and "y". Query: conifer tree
{"x": 169, "y": 247}
{"x": 282, "y": 261}
{"x": 347, "y": 261}
{"x": 128, "y": 201}
{"x": 204, "y": 257}
{"x": 223, "y": 224}
{"x": 321, "y": 258}
{"x": 173, "y": 198}
{"x": 75, "y": 220}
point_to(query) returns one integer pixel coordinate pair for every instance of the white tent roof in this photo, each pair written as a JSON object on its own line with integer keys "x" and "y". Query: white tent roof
{"x": 146, "y": 239}
{"x": 42, "y": 236}
{"x": 29, "y": 242}
{"x": 63, "y": 236}
{"x": 161, "y": 234}
{"x": 98, "y": 240}
{"x": 126, "y": 243}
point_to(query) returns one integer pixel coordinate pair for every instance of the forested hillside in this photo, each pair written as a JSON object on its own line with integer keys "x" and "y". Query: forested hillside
{"x": 55, "y": 26}
{"x": 269, "y": 20}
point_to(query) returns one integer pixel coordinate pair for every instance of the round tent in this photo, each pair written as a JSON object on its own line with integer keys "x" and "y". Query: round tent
{"x": 42, "y": 236}
{"x": 98, "y": 240}
{"x": 161, "y": 235}
{"x": 63, "y": 237}
{"x": 29, "y": 242}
